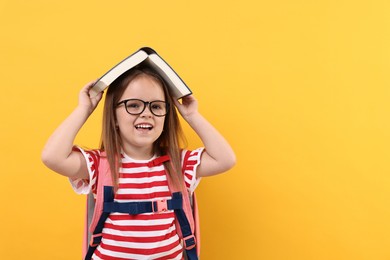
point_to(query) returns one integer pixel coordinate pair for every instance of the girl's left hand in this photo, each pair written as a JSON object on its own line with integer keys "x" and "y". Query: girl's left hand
{"x": 187, "y": 107}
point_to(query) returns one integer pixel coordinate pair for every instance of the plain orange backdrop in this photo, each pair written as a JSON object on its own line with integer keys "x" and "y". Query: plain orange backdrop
{"x": 299, "y": 88}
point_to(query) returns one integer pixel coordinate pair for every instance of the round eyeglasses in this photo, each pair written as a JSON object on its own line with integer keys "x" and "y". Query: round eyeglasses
{"x": 137, "y": 106}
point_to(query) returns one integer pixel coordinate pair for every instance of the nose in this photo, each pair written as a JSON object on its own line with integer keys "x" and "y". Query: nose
{"x": 147, "y": 112}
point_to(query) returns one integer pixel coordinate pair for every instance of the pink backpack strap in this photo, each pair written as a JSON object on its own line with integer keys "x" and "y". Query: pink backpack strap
{"x": 90, "y": 208}
{"x": 195, "y": 213}
{"x": 94, "y": 221}
{"x": 187, "y": 219}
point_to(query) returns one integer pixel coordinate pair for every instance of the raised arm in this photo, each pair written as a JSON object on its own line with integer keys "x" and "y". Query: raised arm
{"x": 57, "y": 153}
{"x": 218, "y": 156}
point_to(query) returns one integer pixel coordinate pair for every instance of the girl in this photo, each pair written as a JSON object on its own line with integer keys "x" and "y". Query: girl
{"x": 140, "y": 123}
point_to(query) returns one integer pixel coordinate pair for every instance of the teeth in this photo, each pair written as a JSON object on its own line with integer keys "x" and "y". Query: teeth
{"x": 143, "y": 126}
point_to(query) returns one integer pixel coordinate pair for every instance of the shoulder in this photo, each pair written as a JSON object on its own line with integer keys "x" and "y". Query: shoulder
{"x": 190, "y": 161}
{"x": 191, "y": 156}
{"x": 92, "y": 158}
{"x": 90, "y": 154}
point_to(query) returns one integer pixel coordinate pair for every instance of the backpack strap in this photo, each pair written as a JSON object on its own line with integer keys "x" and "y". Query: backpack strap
{"x": 105, "y": 204}
{"x": 185, "y": 220}
{"x": 140, "y": 207}
{"x": 105, "y": 199}
{"x": 90, "y": 208}
{"x": 104, "y": 193}
{"x": 187, "y": 231}
{"x": 97, "y": 233}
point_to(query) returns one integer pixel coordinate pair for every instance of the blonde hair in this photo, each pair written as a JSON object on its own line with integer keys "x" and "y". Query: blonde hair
{"x": 169, "y": 142}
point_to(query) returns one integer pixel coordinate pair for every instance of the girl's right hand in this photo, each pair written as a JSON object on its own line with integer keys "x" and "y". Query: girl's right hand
{"x": 86, "y": 101}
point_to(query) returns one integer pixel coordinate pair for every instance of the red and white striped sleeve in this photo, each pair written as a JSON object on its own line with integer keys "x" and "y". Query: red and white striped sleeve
{"x": 190, "y": 162}
{"x": 84, "y": 186}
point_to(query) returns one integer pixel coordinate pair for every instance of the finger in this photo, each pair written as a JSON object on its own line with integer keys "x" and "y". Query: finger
{"x": 99, "y": 96}
{"x": 176, "y": 102}
{"x": 188, "y": 99}
{"x": 89, "y": 85}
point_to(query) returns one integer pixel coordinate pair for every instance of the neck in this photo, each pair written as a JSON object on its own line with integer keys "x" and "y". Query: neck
{"x": 139, "y": 153}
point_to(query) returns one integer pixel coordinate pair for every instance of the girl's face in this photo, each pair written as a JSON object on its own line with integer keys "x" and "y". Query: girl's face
{"x": 139, "y": 132}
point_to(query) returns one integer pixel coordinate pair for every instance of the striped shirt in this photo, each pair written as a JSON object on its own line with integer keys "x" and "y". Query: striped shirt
{"x": 142, "y": 236}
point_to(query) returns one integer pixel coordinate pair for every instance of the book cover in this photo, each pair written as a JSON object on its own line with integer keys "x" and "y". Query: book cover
{"x": 145, "y": 56}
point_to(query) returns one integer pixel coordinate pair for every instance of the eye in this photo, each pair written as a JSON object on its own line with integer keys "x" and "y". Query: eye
{"x": 133, "y": 104}
{"x": 157, "y": 106}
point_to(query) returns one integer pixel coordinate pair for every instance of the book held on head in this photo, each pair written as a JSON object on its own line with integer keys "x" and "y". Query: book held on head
{"x": 144, "y": 57}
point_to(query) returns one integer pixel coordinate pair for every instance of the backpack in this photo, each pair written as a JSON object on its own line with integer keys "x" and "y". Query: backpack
{"x": 99, "y": 208}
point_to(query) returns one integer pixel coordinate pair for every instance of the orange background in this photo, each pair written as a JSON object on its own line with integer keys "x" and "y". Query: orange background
{"x": 299, "y": 88}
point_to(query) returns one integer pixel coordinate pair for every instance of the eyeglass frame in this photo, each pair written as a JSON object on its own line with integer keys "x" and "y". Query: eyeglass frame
{"x": 146, "y": 103}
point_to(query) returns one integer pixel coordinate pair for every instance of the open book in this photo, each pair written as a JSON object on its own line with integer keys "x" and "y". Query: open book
{"x": 148, "y": 57}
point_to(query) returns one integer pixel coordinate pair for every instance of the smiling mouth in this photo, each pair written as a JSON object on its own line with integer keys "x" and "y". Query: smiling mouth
{"x": 143, "y": 126}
